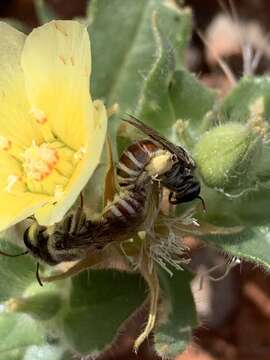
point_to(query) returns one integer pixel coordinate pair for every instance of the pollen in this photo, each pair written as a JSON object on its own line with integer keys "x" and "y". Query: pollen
{"x": 5, "y": 144}
{"x": 39, "y": 115}
{"x": 39, "y": 161}
{"x": 79, "y": 154}
{"x": 11, "y": 181}
{"x": 59, "y": 191}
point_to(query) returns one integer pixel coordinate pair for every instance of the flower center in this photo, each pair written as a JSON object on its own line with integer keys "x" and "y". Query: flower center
{"x": 39, "y": 161}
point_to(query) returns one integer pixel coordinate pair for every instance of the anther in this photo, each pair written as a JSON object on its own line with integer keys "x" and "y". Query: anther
{"x": 5, "y": 144}
{"x": 11, "y": 181}
{"x": 39, "y": 115}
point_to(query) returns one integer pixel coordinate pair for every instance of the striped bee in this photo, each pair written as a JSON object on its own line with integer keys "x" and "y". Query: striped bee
{"x": 77, "y": 236}
{"x": 162, "y": 161}
{"x": 144, "y": 168}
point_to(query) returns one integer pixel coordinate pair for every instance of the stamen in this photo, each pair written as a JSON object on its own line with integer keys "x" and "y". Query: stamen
{"x": 80, "y": 153}
{"x": 39, "y": 161}
{"x": 11, "y": 181}
{"x": 59, "y": 191}
{"x": 39, "y": 115}
{"x": 5, "y": 144}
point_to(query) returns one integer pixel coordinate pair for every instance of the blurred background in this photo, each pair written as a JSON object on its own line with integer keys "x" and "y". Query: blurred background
{"x": 234, "y": 312}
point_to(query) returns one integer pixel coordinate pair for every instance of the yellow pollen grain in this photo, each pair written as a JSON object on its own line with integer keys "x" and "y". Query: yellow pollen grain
{"x": 80, "y": 153}
{"x": 39, "y": 161}
{"x": 39, "y": 115}
{"x": 59, "y": 191}
{"x": 5, "y": 144}
{"x": 11, "y": 181}
{"x": 41, "y": 119}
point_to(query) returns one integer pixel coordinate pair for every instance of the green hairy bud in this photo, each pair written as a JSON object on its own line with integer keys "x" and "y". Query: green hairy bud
{"x": 226, "y": 155}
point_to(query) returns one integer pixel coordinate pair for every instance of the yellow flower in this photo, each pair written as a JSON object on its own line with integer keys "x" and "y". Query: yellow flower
{"x": 51, "y": 133}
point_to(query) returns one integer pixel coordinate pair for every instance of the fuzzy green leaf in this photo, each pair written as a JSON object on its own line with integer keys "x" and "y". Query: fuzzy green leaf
{"x": 42, "y": 306}
{"x": 249, "y": 207}
{"x": 172, "y": 337}
{"x": 17, "y": 332}
{"x": 100, "y": 301}
{"x": 191, "y": 101}
{"x": 251, "y": 244}
{"x": 236, "y": 104}
{"x": 16, "y": 273}
{"x": 124, "y": 71}
{"x": 154, "y": 105}
{"x": 45, "y": 352}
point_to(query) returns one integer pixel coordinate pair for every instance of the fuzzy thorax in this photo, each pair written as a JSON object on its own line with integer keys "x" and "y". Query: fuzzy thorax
{"x": 161, "y": 162}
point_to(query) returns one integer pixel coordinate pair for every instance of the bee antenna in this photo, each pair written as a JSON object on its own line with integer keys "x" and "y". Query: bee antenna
{"x": 14, "y": 255}
{"x": 37, "y": 275}
{"x": 203, "y": 202}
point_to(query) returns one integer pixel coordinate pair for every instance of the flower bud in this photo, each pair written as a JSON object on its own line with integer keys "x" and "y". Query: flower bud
{"x": 228, "y": 155}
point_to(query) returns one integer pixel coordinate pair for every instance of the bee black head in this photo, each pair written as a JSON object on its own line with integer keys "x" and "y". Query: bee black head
{"x": 189, "y": 192}
{"x": 36, "y": 240}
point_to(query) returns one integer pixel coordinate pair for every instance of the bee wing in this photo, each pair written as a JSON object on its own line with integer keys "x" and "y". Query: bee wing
{"x": 153, "y": 134}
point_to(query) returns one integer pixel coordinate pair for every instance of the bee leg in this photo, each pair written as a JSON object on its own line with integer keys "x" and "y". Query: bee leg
{"x": 203, "y": 203}
{"x": 80, "y": 266}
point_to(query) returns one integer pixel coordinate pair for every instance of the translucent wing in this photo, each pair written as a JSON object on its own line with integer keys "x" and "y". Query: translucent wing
{"x": 153, "y": 134}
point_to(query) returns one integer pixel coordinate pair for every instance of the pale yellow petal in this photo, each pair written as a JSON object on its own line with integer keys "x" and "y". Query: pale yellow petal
{"x": 14, "y": 208}
{"x": 15, "y": 120}
{"x": 50, "y": 214}
{"x": 56, "y": 61}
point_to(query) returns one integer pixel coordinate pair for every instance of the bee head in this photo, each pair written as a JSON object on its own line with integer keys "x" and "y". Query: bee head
{"x": 190, "y": 192}
{"x": 36, "y": 240}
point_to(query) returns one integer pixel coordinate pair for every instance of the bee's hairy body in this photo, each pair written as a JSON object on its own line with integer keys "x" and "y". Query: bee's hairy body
{"x": 159, "y": 160}
{"x": 76, "y": 236}
{"x": 142, "y": 162}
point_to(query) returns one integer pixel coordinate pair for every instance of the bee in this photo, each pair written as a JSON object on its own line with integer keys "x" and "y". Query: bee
{"x": 143, "y": 169}
{"x": 77, "y": 236}
{"x": 173, "y": 167}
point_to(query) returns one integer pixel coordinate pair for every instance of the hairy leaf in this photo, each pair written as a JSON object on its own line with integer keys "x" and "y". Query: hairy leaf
{"x": 17, "y": 332}
{"x": 125, "y": 71}
{"x": 16, "y": 273}
{"x": 252, "y": 244}
{"x": 100, "y": 301}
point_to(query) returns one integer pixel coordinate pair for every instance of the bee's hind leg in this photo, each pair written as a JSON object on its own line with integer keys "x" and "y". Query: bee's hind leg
{"x": 80, "y": 266}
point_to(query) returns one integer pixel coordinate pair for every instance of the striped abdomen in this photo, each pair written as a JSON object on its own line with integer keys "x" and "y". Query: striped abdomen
{"x": 134, "y": 160}
{"x": 128, "y": 208}
{"x": 117, "y": 223}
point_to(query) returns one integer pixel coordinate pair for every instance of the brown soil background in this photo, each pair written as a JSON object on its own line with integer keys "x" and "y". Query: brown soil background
{"x": 234, "y": 313}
